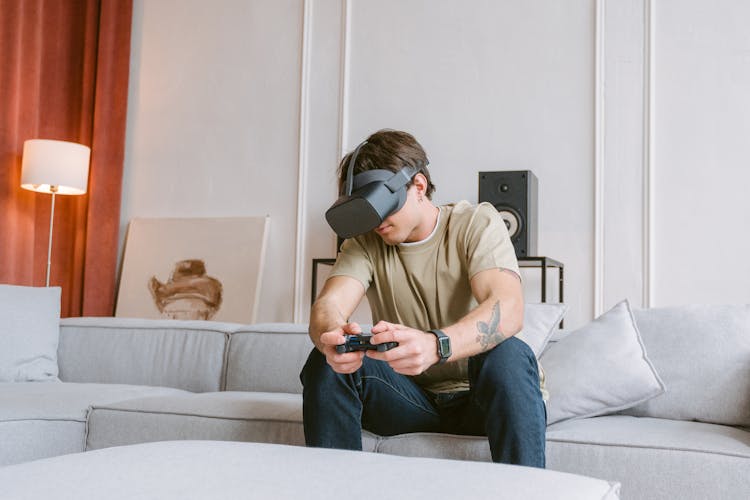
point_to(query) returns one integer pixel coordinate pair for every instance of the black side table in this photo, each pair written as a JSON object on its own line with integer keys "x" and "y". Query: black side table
{"x": 543, "y": 263}
{"x": 315, "y": 263}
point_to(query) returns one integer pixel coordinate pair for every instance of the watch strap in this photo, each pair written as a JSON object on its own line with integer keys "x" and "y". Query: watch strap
{"x": 443, "y": 345}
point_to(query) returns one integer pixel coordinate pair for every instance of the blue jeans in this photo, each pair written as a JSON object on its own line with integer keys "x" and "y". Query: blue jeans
{"x": 504, "y": 403}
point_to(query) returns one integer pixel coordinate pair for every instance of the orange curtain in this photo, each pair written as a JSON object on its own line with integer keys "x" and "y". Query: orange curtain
{"x": 64, "y": 75}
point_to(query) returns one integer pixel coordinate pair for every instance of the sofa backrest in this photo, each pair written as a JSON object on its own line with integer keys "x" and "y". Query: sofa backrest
{"x": 702, "y": 354}
{"x": 187, "y": 355}
{"x": 267, "y": 357}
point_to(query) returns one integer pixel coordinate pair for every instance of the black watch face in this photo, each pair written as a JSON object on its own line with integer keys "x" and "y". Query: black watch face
{"x": 444, "y": 346}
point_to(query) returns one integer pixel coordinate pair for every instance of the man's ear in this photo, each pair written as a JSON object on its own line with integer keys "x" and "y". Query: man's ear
{"x": 420, "y": 182}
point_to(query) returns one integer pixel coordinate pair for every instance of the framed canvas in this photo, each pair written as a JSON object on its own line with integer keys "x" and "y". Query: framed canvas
{"x": 194, "y": 268}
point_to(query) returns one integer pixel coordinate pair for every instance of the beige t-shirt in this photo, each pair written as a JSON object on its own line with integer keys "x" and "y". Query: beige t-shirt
{"x": 426, "y": 285}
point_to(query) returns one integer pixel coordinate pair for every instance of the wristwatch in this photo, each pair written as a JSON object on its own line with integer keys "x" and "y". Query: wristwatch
{"x": 443, "y": 345}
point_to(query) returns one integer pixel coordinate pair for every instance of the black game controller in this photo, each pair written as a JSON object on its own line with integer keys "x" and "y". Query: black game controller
{"x": 361, "y": 342}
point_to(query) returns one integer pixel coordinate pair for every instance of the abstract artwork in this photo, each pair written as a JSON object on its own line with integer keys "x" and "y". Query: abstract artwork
{"x": 193, "y": 269}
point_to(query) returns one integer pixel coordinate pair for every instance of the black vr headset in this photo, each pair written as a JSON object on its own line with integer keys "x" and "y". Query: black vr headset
{"x": 369, "y": 197}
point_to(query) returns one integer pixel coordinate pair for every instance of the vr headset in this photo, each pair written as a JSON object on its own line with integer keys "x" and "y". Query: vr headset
{"x": 369, "y": 197}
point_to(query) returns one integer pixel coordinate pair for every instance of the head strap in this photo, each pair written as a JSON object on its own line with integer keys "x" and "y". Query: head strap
{"x": 350, "y": 169}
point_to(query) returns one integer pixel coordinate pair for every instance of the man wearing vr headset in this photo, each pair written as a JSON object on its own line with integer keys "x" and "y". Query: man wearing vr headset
{"x": 443, "y": 282}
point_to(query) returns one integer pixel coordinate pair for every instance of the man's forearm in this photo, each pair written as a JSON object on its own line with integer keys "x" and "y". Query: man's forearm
{"x": 324, "y": 317}
{"x": 336, "y": 302}
{"x": 486, "y": 326}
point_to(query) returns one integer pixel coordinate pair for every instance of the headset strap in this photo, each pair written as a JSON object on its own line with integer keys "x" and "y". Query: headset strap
{"x": 368, "y": 176}
{"x": 401, "y": 178}
{"x": 350, "y": 169}
{"x": 393, "y": 183}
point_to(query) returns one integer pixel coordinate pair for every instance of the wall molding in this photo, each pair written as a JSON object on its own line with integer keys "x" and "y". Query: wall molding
{"x": 615, "y": 50}
{"x": 649, "y": 142}
{"x": 599, "y": 158}
{"x": 303, "y": 165}
{"x": 346, "y": 24}
{"x": 602, "y": 146}
{"x": 302, "y": 269}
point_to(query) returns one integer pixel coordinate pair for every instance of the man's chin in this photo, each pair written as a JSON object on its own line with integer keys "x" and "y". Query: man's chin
{"x": 390, "y": 239}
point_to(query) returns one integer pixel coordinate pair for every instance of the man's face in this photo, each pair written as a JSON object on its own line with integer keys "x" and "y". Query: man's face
{"x": 400, "y": 225}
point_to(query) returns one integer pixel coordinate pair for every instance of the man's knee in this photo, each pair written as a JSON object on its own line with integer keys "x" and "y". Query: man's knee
{"x": 508, "y": 364}
{"x": 316, "y": 369}
{"x": 513, "y": 354}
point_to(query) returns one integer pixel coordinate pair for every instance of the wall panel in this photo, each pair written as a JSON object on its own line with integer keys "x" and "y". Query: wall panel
{"x": 633, "y": 115}
{"x": 213, "y": 121}
{"x": 702, "y": 152}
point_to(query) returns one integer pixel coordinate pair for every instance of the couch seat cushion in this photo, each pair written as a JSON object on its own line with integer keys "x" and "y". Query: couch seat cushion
{"x": 213, "y": 469}
{"x": 220, "y": 416}
{"x": 676, "y": 435}
{"x": 44, "y": 419}
{"x": 655, "y": 458}
{"x": 65, "y": 401}
{"x": 652, "y": 458}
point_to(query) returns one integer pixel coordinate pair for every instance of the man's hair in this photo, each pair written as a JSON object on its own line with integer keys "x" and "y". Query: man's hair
{"x": 388, "y": 150}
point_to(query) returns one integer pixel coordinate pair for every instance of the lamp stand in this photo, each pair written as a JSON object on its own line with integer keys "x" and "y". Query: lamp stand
{"x": 53, "y": 189}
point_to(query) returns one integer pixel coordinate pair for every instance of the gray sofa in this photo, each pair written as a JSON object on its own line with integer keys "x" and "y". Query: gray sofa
{"x": 129, "y": 381}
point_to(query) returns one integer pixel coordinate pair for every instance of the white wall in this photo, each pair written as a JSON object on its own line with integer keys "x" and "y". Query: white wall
{"x": 244, "y": 107}
{"x": 499, "y": 86}
{"x": 213, "y": 118}
{"x": 702, "y": 170}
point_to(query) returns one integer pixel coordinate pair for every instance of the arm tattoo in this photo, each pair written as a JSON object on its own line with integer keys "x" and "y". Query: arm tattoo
{"x": 489, "y": 333}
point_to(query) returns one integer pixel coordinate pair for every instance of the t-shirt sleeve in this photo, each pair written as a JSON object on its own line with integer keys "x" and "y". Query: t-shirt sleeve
{"x": 488, "y": 244}
{"x": 353, "y": 261}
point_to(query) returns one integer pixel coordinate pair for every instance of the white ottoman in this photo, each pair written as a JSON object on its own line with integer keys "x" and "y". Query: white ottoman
{"x": 220, "y": 469}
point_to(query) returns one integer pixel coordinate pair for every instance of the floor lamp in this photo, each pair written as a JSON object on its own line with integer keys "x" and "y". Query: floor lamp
{"x": 55, "y": 167}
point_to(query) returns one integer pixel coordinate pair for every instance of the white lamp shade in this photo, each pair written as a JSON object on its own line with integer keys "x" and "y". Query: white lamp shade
{"x": 48, "y": 163}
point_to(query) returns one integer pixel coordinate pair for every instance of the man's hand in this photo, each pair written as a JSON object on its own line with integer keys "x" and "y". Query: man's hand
{"x": 348, "y": 362}
{"x": 416, "y": 351}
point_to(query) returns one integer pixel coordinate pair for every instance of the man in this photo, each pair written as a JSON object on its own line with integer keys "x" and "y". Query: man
{"x": 443, "y": 282}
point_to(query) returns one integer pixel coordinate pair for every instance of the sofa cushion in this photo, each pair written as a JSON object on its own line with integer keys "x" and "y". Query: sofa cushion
{"x": 251, "y": 348}
{"x": 289, "y": 345}
{"x": 652, "y": 458}
{"x": 25, "y": 440}
{"x": 539, "y": 323}
{"x": 600, "y": 368}
{"x": 29, "y": 332}
{"x": 655, "y": 458}
{"x": 608, "y": 430}
{"x": 66, "y": 401}
{"x": 44, "y": 419}
{"x": 645, "y": 432}
{"x": 702, "y": 353}
{"x": 214, "y": 469}
{"x": 186, "y": 355}
{"x": 222, "y": 416}
{"x": 432, "y": 444}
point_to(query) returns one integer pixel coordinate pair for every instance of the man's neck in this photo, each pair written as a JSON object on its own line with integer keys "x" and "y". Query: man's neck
{"x": 429, "y": 213}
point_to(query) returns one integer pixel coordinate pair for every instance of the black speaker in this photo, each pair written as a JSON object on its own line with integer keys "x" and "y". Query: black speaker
{"x": 514, "y": 194}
